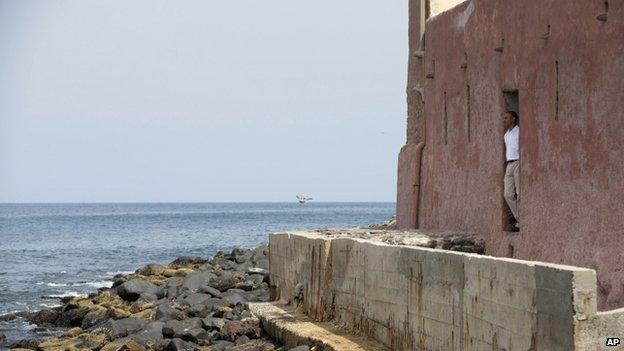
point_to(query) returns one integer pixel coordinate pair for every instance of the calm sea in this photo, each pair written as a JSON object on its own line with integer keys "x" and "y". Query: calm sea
{"x": 57, "y": 250}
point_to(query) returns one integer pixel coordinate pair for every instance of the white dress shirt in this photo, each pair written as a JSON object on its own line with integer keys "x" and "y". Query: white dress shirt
{"x": 512, "y": 142}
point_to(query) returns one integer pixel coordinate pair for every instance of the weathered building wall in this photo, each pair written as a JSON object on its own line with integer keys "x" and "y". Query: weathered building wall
{"x": 567, "y": 67}
{"x": 412, "y": 298}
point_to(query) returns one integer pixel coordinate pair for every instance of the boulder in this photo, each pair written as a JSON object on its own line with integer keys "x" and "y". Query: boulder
{"x": 195, "y": 335}
{"x": 242, "y": 340}
{"x": 300, "y": 348}
{"x": 177, "y": 272}
{"x": 150, "y": 336}
{"x": 226, "y": 281}
{"x": 222, "y": 345}
{"x": 124, "y": 344}
{"x": 73, "y": 332}
{"x": 235, "y": 297}
{"x": 242, "y": 255}
{"x": 150, "y": 269}
{"x": 166, "y": 312}
{"x": 174, "y": 327}
{"x": 194, "y": 299}
{"x": 194, "y": 281}
{"x": 94, "y": 317}
{"x": 233, "y": 329}
{"x": 132, "y": 289}
{"x": 73, "y": 317}
{"x": 210, "y": 290}
{"x": 45, "y": 318}
{"x": 263, "y": 263}
{"x": 187, "y": 261}
{"x": 120, "y": 328}
{"x": 177, "y": 345}
{"x": 211, "y": 323}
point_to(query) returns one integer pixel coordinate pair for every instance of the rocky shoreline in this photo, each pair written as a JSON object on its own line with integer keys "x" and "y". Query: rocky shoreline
{"x": 189, "y": 304}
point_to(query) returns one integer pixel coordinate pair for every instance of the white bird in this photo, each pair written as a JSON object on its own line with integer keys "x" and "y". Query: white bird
{"x": 303, "y": 199}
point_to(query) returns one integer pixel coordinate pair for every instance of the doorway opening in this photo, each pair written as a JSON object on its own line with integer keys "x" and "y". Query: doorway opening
{"x": 511, "y": 102}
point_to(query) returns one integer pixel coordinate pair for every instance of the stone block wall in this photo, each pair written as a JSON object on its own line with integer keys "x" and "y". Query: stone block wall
{"x": 412, "y": 298}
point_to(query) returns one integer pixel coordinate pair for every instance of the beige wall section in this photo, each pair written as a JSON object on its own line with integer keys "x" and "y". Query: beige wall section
{"x": 439, "y": 6}
{"x": 412, "y": 298}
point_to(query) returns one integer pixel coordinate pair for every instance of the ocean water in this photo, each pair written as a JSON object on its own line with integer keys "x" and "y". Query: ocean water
{"x": 52, "y": 250}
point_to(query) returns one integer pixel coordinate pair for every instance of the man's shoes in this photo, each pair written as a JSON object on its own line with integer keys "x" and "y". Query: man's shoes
{"x": 513, "y": 228}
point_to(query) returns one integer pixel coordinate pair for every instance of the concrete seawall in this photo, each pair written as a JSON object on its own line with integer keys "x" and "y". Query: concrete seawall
{"x": 414, "y": 298}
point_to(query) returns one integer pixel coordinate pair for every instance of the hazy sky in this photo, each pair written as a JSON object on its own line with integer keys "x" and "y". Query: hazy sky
{"x": 238, "y": 100}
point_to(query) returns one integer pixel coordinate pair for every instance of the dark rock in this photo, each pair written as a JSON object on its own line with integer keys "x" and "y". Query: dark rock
{"x": 172, "y": 287}
{"x": 73, "y": 317}
{"x": 257, "y": 279}
{"x": 132, "y": 289}
{"x": 195, "y": 335}
{"x": 246, "y": 285}
{"x": 257, "y": 270}
{"x": 196, "y": 280}
{"x": 225, "y": 264}
{"x": 45, "y": 318}
{"x": 120, "y": 328}
{"x": 194, "y": 299}
{"x": 263, "y": 263}
{"x": 242, "y": 256}
{"x": 300, "y": 348}
{"x": 242, "y": 340}
{"x": 147, "y": 297}
{"x": 205, "y": 308}
{"x": 187, "y": 261}
{"x": 225, "y": 281}
{"x": 150, "y": 336}
{"x": 222, "y": 345}
{"x": 235, "y": 297}
{"x": 21, "y": 314}
{"x": 166, "y": 312}
{"x": 150, "y": 269}
{"x": 26, "y": 344}
{"x": 211, "y": 323}
{"x": 2, "y": 338}
{"x": 221, "y": 311}
{"x": 260, "y": 252}
{"x": 210, "y": 290}
{"x": 177, "y": 345}
{"x": 233, "y": 329}
{"x": 94, "y": 317}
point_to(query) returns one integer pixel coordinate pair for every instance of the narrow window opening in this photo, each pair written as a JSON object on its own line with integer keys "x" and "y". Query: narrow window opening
{"x": 606, "y": 6}
{"x": 556, "y": 90}
{"x": 468, "y": 112}
{"x": 445, "y": 121}
{"x": 511, "y": 103}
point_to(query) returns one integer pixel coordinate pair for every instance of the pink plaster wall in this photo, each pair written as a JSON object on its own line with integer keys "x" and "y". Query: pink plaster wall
{"x": 572, "y": 162}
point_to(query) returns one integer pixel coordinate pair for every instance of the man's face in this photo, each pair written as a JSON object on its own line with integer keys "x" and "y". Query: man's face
{"x": 508, "y": 121}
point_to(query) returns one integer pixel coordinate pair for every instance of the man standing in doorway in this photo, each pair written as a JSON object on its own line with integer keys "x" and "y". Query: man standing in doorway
{"x": 512, "y": 172}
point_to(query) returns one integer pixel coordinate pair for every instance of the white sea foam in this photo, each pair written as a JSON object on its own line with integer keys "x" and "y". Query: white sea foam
{"x": 50, "y": 305}
{"x": 112, "y": 274}
{"x": 96, "y": 284}
{"x": 52, "y": 284}
{"x": 67, "y": 294}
